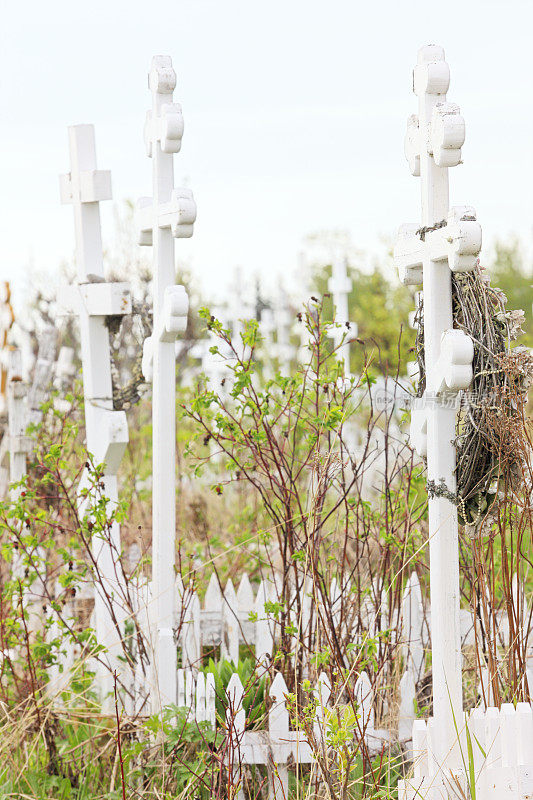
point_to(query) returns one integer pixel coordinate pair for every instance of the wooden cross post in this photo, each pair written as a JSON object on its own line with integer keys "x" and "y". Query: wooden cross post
{"x": 92, "y": 300}
{"x": 446, "y": 241}
{"x": 340, "y": 286}
{"x": 169, "y": 214}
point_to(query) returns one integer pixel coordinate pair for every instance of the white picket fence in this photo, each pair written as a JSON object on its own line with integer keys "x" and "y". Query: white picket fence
{"x": 497, "y": 753}
{"x": 229, "y": 618}
{"x": 275, "y": 745}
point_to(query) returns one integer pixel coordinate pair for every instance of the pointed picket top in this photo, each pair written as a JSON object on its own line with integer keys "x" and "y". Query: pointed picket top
{"x": 200, "y": 697}
{"x": 364, "y": 696}
{"x": 245, "y": 596}
{"x": 213, "y": 595}
{"x": 230, "y": 595}
{"x": 235, "y": 714}
{"x": 260, "y": 599}
{"x": 278, "y": 716}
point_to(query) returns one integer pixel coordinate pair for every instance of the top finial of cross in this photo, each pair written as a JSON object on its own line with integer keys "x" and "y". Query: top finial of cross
{"x": 161, "y": 78}
{"x": 432, "y": 73}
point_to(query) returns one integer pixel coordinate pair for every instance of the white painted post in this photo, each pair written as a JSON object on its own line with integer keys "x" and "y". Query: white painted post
{"x": 446, "y": 241}
{"x": 92, "y": 299}
{"x": 168, "y": 214}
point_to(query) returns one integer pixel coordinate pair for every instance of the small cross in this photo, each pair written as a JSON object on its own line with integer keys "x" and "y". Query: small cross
{"x": 340, "y": 286}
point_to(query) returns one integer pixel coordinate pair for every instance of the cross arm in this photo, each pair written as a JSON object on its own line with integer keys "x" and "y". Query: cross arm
{"x": 112, "y": 439}
{"x": 173, "y": 322}
{"x": 457, "y": 241}
{"x": 167, "y": 129}
{"x": 453, "y": 370}
{"x": 93, "y": 186}
{"x": 451, "y": 374}
{"x": 179, "y": 215}
{"x": 443, "y": 141}
{"x": 97, "y": 299}
{"x": 338, "y": 284}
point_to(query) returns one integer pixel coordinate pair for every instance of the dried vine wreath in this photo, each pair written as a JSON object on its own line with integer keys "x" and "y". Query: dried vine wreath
{"x": 128, "y": 391}
{"x": 491, "y": 440}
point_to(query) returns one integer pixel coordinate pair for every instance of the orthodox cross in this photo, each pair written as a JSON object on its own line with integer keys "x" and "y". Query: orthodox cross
{"x": 446, "y": 241}
{"x": 169, "y": 214}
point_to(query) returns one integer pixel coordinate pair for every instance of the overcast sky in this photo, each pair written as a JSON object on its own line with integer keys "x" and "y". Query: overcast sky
{"x": 294, "y": 111}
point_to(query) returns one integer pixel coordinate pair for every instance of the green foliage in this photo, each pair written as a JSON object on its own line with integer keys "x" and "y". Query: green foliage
{"x": 509, "y": 272}
{"x": 380, "y": 306}
{"x": 254, "y": 701}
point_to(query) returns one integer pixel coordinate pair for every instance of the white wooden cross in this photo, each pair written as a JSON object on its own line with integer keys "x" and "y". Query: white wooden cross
{"x": 340, "y": 286}
{"x": 446, "y": 241}
{"x": 92, "y": 299}
{"x": 169, "y": 214}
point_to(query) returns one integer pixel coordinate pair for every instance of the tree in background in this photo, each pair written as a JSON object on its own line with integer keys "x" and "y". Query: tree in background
{"x": 380, "y": 306}
{"x": 515, "y": 279}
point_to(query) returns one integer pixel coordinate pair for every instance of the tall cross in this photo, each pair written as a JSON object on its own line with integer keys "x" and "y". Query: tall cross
{"x": 92, "y": 300}
{"x": 446, "y": 241}
{"x": 340, "y": 286}
{"x": 169, "y": 214}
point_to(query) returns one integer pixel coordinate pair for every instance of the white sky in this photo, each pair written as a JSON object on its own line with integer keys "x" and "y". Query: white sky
{"x": 294, "y": 111}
